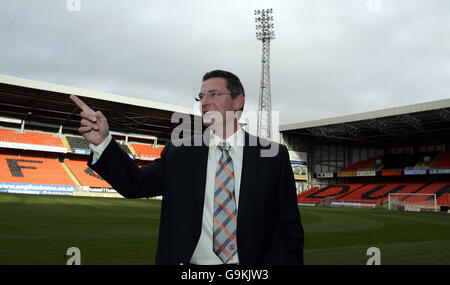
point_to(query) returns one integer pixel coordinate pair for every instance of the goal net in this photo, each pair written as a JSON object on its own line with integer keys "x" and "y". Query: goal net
{"x": 412, "y": 202}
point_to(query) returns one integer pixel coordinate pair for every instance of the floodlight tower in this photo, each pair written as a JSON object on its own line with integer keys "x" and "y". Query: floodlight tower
{"x": 264, "y": 33}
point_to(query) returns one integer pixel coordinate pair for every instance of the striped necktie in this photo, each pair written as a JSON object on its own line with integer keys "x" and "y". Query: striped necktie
{"x": 225, "y": 211}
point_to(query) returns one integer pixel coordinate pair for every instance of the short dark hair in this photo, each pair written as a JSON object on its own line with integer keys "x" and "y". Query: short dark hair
{"x": 233, "y": 82}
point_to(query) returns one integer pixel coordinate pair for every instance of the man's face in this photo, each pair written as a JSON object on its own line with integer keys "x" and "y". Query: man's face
{"x": 219, "y": 103}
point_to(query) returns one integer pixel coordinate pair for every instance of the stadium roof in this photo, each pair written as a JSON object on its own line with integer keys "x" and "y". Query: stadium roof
{"x": 48, "y": 105}
{"x": 383, "y": 126}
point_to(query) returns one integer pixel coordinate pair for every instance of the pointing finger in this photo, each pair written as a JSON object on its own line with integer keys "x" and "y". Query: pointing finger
{"x": 81, "y": 104}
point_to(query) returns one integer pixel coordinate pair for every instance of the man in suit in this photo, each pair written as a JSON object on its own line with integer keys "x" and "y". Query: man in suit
{"x": 223, "y": 202}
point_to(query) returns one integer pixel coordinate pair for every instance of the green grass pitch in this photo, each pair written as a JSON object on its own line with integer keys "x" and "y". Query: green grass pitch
{"x": 39, "y": 230}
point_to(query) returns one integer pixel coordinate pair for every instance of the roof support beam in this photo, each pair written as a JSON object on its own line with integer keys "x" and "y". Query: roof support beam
{"x": 412, "y": 122}
{"x": 380, "y": 126}
{"x": 444, "y": 113}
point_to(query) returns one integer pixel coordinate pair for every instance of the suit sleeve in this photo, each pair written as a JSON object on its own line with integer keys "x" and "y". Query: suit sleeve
{"x": 290, "y": 227}
{"x": 120, "y": 171}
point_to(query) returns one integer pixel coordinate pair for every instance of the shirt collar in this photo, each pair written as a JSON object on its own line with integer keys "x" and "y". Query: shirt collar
{"x": 235, "y": 140}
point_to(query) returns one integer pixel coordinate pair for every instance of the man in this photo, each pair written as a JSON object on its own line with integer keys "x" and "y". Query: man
{"x": 223, "y": 202}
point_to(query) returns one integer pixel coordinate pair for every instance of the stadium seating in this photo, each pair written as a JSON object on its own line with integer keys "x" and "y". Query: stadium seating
{"x": 443, "y": 161}
{"x": 33, "y": 170}
{"x": 77, "y": 142}
{"x": 368, "y": 164}
{"x": 85, "y": 175}
{"x": 375, "y": 192}
{"x": 81, "y": 143}
{"x": 400, "y": 162}
{"x": 30, "y": 137}
{"x": 442, "y": 191}
{"x": 46, "y": 168}
{"x": 378, "y": 192}
{"x": 420, "y": 162}
{"x": 315, "y": 195}
{"x": 147, "y": 151}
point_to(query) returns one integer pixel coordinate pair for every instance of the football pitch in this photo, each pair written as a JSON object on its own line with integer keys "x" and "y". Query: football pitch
{"x": 40, "y": 229}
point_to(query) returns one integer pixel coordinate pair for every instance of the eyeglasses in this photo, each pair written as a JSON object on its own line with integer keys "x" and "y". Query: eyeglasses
{"x": 212, "y": 94}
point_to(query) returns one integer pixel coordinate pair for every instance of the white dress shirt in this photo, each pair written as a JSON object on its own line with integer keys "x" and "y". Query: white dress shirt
{"x": 98, "y": 149}
{"x": 204, "y": 253}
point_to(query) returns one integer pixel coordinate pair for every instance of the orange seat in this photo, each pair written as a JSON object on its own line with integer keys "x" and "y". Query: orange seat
{"x": 377, "y": 192}
{"x": 362, "y": 165}
{"x": 443, "y": 161}
{"x": 33, "y": 170}
{"x": 147, "y": 151}
{"x": 30, "y": 137}
{"x": 85, "y": 175}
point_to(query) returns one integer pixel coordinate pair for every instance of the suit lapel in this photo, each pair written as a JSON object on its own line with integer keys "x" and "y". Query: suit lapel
{"x": 248, "y": 177}
{"x": 199, "y": 161}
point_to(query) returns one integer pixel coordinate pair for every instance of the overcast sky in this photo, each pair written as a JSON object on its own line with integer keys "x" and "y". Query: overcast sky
{"x": 329, "y": 58}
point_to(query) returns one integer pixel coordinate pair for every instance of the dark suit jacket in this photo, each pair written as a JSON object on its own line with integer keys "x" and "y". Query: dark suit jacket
{"x": 269, "y": 230}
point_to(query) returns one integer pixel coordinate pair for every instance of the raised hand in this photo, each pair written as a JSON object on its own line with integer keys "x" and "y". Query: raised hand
{"x": 93, "y": 125}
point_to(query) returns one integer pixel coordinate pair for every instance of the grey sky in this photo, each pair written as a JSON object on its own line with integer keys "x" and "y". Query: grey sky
{"x": 329, "y": 58}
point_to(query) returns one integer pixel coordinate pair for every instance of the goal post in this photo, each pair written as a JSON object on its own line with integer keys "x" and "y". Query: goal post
{"x": 413, "y": 202}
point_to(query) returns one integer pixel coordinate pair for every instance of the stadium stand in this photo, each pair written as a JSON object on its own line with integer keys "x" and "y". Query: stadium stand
{"x": 412, "y": 144}
{"x": 42, "y": 167}
{"x": 378, "y": 192}
{"x": 374, "y": 193}
{"x": 81, "y": 143}
{"x": 368, "y": 164}
{"x": 316, "y": 195}
{"x": 422, "y": 160}
{"x": 33, "y": 169}
{"x": 30, "y": 137}
{"x": 77, "y": 142}
{"x": 85, "y": 175}
{"x": 40, "y": 144}
{"x": 442, "y": 191}
{"x": 443, "y": 161}
{"x": 402, "y": 161}
{"x": 397, "y": 161}
{"x": 147, "y": 151}
{"x": 408, "y": 161}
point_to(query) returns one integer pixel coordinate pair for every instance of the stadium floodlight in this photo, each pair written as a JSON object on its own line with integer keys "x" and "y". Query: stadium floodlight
{"x": 413, "y": 201}
{"x": 264, "y": 33}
